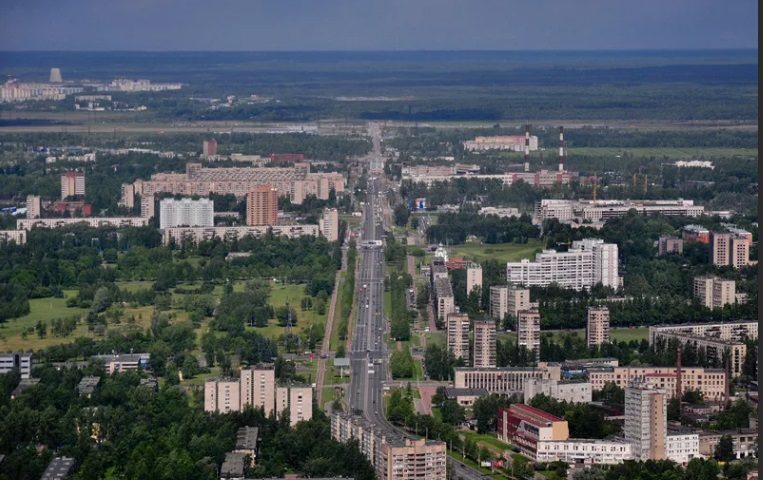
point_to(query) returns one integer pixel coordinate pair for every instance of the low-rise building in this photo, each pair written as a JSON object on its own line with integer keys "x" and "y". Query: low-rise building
{"x": 584, "y": 451}
{"x": 246, "y": 442}
{"x": 682, "y": 446}
{"x": 87, "y": 386}
{"x": 711, "y": 383}
{"x": 122, "y": 362}
{"x": 573, "y": 392}
{"x": 93, "y": 222}
{"x": 695, "y": 233}
{"x": 503, "y": 380}
{"x": 193, "y": 235}
{"x": 745, "y": 442}
{"x": 58, "y": 469}
{"x": 232, "y": 467}
{"x": 12, "y": 236}
{"x": 465, "y": 396}
{"x": 714, "y": 292}
{"x": 525, "y": 427}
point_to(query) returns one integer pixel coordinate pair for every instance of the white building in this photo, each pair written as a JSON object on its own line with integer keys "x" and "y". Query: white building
{"x": 584, "y": 451}
{"x": 186, "y": 212}
{"x": 473, "y": 276}
{"x": 597, "y": 211}
{"x": 573, "y": 392}
{"x": 682, "y": 447}
{"x": 16, "y": 360}
{"x": 329, "y": 224}
{"x": 587, "y": 263}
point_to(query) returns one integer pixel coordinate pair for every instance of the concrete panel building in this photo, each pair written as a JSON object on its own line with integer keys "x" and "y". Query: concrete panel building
{"x": 258, "y": 384}
{"x": 710, "y": 382}
{"x": 458, "y": 335}
{"x": 181, "y": 235}
{"x": 298, "y": 400}
{"x": 473, "y": 276}
{"x": 597, "y": 327}
{"x": 444, "y": 302}
{"x": 573, "y": 392}
{"x": 528, "y": 331}
{"x": 668, "y": 244}
{"x": 262, "y": 206}
{"x": 147, "y": 206}
{"x": 329, "y": 224}
{"x": 714, "y": 292}
{"x": 186, "y": 212}
{"x": 222, "y": 395}
{"x": 33, "y": 207}
{"x": 518, "y": 299}
{"x": 503, "y": 380}
{"x": 13, "y": 236}
{"x": 729, "y": 249}
{"x": 20, "y": 361}
{"x": 72, "y": 184}
{"x": 484, "y": 344}
{"x": 499, "y": 301}
{"x": 646, "y": 426}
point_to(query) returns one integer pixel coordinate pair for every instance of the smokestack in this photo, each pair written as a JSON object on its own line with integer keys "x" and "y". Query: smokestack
{"x": 527, "y": 148}
{"x": 561, "y": 149}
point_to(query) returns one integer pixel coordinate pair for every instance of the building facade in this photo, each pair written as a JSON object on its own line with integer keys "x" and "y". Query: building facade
{"x": 262, "y": 206}
{"x": 458, "y": 335}
{"x": 729, "y": 249}
{"x": 714, "y": 292}
{"x": 20, "y": 361}
{"x": 517, "y": 299}
{"x": 597, "y": 327}
{"x": 646, "y": 426}
{"x": 193, "y": 235}
{"x": 484, "y": 344}
{"x": 329, "y": 224}
{"x": 667, "y": 244}
{"x": 72, "y": 184}
{"x": 186, "y": 212}
{"x": 710, "y": 382}
{"x": 473, "y": 277}
{"x": 444, "y": 301}
{"x": 502, "y": 380}
{"x": 499, "y": 301}
{"x": 33, "y": 207}
{"x": 573, "y": 392}
{"x": 528, "y": 331}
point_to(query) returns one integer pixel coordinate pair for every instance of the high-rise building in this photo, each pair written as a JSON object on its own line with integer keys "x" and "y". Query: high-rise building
{"x": 473, "y": 277}
{"x": 329, "y": 224}
{"x": 209, "y": 147}
{"x": 147, "y": 206}
{"x": 262, "y": 206}
{"x": 605, "y": 261}
{"x": 484, "y": 344}
{"x": 55, "y": 75}
{"x": 33, "y": 207}
{"x": 127, "y": 197}
{"x": 597, "y": 329}
{"x": 444, "y": 301}
{"x": 528, "y": 331}
{"x": 258, "y": 385}
{"x": 714, "y": 292}
{"x": 72, "y": 183}
{"x": 458, "y": 335}
{"x": 669, "y": 244}
{"x": 186, "y": 212}
{"x": 222, "y": 395}
{"x": 646, "y": 421}
{"x": 413, "y": 459}
{"x": 518, "y": 299}
{"x": 729, "y": 249}
{"x": 298, "y": 401}
{"x": 499, "y": 298}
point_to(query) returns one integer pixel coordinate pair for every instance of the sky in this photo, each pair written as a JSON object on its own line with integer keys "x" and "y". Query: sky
{"x": 305, "y": 25}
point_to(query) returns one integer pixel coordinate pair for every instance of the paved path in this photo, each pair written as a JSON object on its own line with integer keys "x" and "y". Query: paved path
{"x": 326, "y": 344}
{"x": 424, "y": 405}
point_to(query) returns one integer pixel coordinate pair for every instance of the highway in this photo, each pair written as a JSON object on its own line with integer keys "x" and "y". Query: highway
{"x": 369, "y": 357}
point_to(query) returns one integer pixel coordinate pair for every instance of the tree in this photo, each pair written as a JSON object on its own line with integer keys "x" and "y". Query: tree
{"x": 724, "y": 450}
{"x": 451, "y": 412}
{"x": 401, "y": 214}
{"x": 401, "y": 364}
{"x": 101, "y": 300}
{"x": 486, "y": 411}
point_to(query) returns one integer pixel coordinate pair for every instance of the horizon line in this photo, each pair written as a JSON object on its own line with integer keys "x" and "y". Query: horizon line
{"x": 423, "y": 50}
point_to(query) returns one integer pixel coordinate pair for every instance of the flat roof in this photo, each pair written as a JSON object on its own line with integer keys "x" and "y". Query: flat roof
{"x": 455, "y": 392}
{"x": 58, "y": 468}
{"x": 246, "y": 438}
{"x": 233, "y": 465}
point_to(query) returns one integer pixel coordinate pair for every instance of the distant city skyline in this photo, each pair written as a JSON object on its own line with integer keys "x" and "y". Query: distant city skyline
{"x": 304, "y": 25}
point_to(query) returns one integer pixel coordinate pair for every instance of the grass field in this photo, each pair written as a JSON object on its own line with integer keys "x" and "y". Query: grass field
{"x": 501, "y": 252}
{"x": 280, "y": 295}
{"x": 45, "y": 310}
{"x": 619, "y": 334}
{"x": 490, "y": 442}
{"x": 673, "y": 153}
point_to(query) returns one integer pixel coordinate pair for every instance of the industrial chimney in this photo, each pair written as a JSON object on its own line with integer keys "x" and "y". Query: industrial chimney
{"x": 561, "y": 149}
{"x": 527, "y": 148}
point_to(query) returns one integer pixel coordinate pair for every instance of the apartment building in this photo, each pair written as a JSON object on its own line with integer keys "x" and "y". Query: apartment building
{"x": 329, "y": 224}
{"x": 484, "y": 344}
{"x": 72, "y": 184}
{"x": 668, "y": 244}
{"x": 589, "y": 262}
{"x": 503, "y": 380}
{"x": 127, "y": 196}
{"x": 257, "y": 388}
{"x": 737, "y": 330}
{"x": 499, "y": 301}
{"x": 710, "y": 382}
{"x": 744, "y": 441}
{"x": 528, "y": 331}
{"x": 729, "y": 249}
{"x": 209, "y": 147}
{"x": 94, "y": 222}
{"x": 573, "y": 392}
{"x": 458, "y": 335}
{"x": 20, "y": 361}
{"x": 682, "y": 446}
{"x": 194, "y": 235}
{"x": 473, "y": 276}
{"x": 16, "y": 236}
{"x": 597, "y": 327}
{"x": 714, "y": 348}
{"x": 262, "y": 206}
{"x": 646, "y": 426}
{"x": 33, "y": 207}
{"x": 515, "y": 143}
{"x": 444, "y": 302}
{"x": 517, "y": 299}
{"x": 147, "y": 206}
{"x": 714, "y": 292}
{"x": 393, "y": 457}
{"x": 298, "y": 400}
{"x": 186, "y": 212}
{"x": 222, "y": 395}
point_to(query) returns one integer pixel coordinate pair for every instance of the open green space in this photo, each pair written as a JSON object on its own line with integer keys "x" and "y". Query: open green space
{"x": 670, "y": 152}
{"x": 500, "y": 252}
{"x": 618, "y": 334}
{"x": 487, "y": 441}
{"x": 12, "y": 337}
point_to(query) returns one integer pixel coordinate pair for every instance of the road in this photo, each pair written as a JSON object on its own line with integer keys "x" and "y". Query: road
{"x": 369, "y": 356}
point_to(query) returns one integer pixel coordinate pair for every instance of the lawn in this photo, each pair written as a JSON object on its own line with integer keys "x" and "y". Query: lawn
{"x": 435, "y": 337}
{"x": 280, "y": 295}
{"x": 45, "y": 310}
{"x": 501, "y": 252}
{"x": 490, "y": 442}
{"x": 619, "y": 334}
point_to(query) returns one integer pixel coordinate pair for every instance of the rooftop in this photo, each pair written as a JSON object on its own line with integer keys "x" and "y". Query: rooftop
{"x": 58, "y": 468}
{"x": 532, "y": 414}
{"x": 246, "y": 438}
